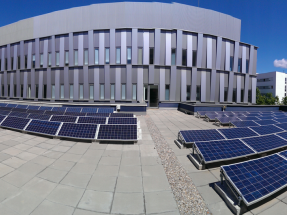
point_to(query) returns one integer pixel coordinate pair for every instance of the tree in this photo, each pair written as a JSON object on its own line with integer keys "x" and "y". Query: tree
{"x": 284, "y": 100}
{"x": 260, "y": 100}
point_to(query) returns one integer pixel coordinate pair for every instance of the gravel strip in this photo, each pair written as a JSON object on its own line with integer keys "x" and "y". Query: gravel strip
{"x": 188, "y": 199}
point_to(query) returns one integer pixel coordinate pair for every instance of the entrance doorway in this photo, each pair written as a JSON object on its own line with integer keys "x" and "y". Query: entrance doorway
{"x": 153, "y": 96}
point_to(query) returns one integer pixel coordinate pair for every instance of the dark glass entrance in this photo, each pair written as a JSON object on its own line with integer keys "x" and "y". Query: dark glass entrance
{"x": 153, "y": 98}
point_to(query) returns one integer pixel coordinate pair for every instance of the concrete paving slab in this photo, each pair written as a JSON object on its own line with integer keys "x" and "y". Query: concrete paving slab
{"x": 42, "y": 160}
{"x": 17, "y": 178}
{"x": 52, "y": 154}
{"x": 39, "y": 187}
{"x": 61, "y": 148}
{"x": 31, "y": 168}
{"x": 203, "y": 177}
{"x": 4, "y": 169}
{"x": 26, "y": 156}
{"x": 278, "y": 209}
{"x": 128, "y": 203}
{"x": 70, "y": 157}
{"x": 209, "y": 194}
{"x": 155, "y": 183}
{"x": 130, "y": 171}
{"x": 102, "y": 183}
{"x": 129, "y": 184}
{"x": 76, "y": 180}
{"x": 110, "y": 161}
{"x": 7, "y": 211}
{"x": 131, "y": 161}
{"x": 12, "y": 151}
{"x": 52, "y": 175}
{"x": 107, "y": 170}
{"x": 7, "y": 190}
{"x": 51, "y": 208}
{"x": 160, "y": 202}
{"x": 62, "y": 165}
{"x": 153, "y": 170}
{"x": 83, "y": 168}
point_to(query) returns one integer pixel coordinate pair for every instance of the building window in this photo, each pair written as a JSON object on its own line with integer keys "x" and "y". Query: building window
{"x": 86, "y": 59}
{"x": 285, "y": 80}
{"x": 173, "y": 51}
{"x": 81, "y": 91}
{"x": 129, "y": 55}
{"x": 96, "y": 56}
{"x": 247, "y": 66}
{"x": 49, "y": 59}
{"x": 184, "y": 63}
{"x": 151, "y": 54}
{"x": 29, "y": 91}
{"x": 57, "y": 59}
{"x": 15, "y": 90}
{"x": 26, "y": 60}
{"x": 145, "y": 92}
{"x": 123, "y": 91}
{"x": 8, "y": 90}
{"x": 198, "y": 93}
{"x": 194, "y": 58}
{"x": 118, "y": 55}
{"x": 67, "y": 58}
{"x": 6, "y": 64}
{"x": 91, "y": 91}
{"x": 112, "y": 91}
{"x": 12, "y": 61}
{"x": 249, "y": 96}
{"x": 71, "y": 91}
{"x": 102, "y": 91}
{"x": 45, "y": 91}
{"x": 22, "y": 90}
{"x": 33, "y": 61}
{"x": 62, "y": 91}
{"x": 225, "y": 93}
{"x": 36, "y": 91}
{"x": 18, "y": 62}
{"x": 140, "y": 56}
{"x": 107, "y": 55}
{"x": 76, "y": 57}
{"x": 242, "y": 95}
{"x": 239, "y": 65}
{"x": 2, "y": 90}
{"x": 53, "y": 91}
{"x": 166, "y": 92}
{"x": 188, "y": 87}
{"x": 231, "y": 63}
{"x": 234, "y": 95}
{"x": 41, "y": 60}
{"x": 134, "y": 92}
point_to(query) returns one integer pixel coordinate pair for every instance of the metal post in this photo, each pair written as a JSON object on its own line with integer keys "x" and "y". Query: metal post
{"x": 239, "y": 201}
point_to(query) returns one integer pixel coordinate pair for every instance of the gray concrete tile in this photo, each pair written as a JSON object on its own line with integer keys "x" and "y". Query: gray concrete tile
{"x": 45, "y": 145}
{"x": 7, "y": 211}
{"x": 202, "y": 178}
{"x": 130, "y": 161}
{"x": 14, "y": 162}
{"x": 153, "y": 170}
{"x": 22, "y": 147}
{"x": 39, "y": 187}
{"x": 148, "y": 150}
{"x": 79, "y": 148}
{"x": 7, "y": 190}
{"x": 42, "y": 160}
{"x": 134, "y": 154}
{"x": 93, "y": 153}
{"x": 98, "y": 146}
{"x": 219, "y": 208}
{"x": 3, "y": 147}
{"x": 62, "y": 165}
{"x": 31, "y": 168}
{"x": 17, "y": 178}
{"x": 83, "y": 168}
{"x": 112, "y": 153}
{"x": 52, "y": 175}
{"x": 209, "y": 194}
{"x": 102, "y": 183}
{"x": 128, "y": 203}
{"x": 265, "y": 206}
{"x": 76, "y": 180}
{"x": 10, "y": 143}
{"x": 61, "y": 148}
{"x": 90, "y": 160}
{"x": 107, "y": 170}
{"x": 12, "y": 151}
{"x": 51, "y": 208}
{"x": 70, "y": 157}
{"x": 129, "y": 184}
{"x": 278, "y": 209}
{"x": 52, "y": 154}
{"x": 4, "y": 169}
{"x": 160, "y": 202}
{"x": 36, "y": 150}
{"x": 130, "y": 171}
{"x": 155, "y": 183}
{"x": 26, "y": 156}
{"x": 110, "y": 161}
{"x": 85, "y": 212}
{"x": 117, "y": 147}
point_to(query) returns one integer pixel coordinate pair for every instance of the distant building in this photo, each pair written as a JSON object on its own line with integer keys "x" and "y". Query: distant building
{"x": 272, "y": 82}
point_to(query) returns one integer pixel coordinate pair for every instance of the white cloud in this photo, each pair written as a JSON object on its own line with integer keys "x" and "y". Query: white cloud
{"x": 280, "y": 63}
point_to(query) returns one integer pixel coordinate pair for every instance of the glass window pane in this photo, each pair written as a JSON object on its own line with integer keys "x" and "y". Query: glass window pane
{"x": 53, "y": 91}
{"x": 33, "y": 61}
{"x": 81, "y": 91}
{"x": 173, "y": 56}
{"x": 247, "y": 66}
{"x": 242, "y": 95}
{"x": 49, "y": 59}
{"x": 225, "y": 93}
{"x": 184, "y": 57}
{"x": 62, "y": 91}
{"x": 8, "y": 90}
{"x": 140, "y": 56}
{"x": 71, "y": 91}
{"x": 123, "y": 91}
{"x": 29, "y": 91}
{"x": 150, "y": 55}
{"x": 57, "y": 58}
{"x": 107, "y": 55}
{"x": 145, "y": 92}
{"x": 118, "y": 54}
{"x": 194, "y": 58}
{"x": 86, "y": 57}
{"x": 96, "y": 56}
{"x": 44, "y": 91}
{"x": 166, "y": 92}
{"x": 112, "y": 91}
{"x": 76, "y": 57}
{"x": 198, "y": 93}
{"x": 67, "y": 57}
{"x": 92, "y": 92}
{"x": 15, "y": 91}
{"x": 234, "y": 95}
{"x": 41, "y": 60}
{"x": 102, "y": 90}
{"x": 239, "y": 64}
{"x": 129, "y": 55}
{"x": 188, "y": 92}
{"x": 231, "y": 63}
{"x": 135, "y": 92}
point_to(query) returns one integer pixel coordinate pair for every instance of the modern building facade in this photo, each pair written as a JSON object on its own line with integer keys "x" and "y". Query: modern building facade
{"x": 128, "y": 52}
{"x": 273, "y": 82}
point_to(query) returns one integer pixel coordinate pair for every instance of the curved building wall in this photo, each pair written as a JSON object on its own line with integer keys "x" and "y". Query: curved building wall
{"x": 122, "y": 51}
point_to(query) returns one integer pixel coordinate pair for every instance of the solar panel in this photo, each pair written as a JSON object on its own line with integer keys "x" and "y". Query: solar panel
{"x": 74, "y": 109}
{"x": 59, "y": 109}
{"x": 226, "y": 119}
{"x": 191, "y": 136}
{"x": 99, "y": 114}
{"x": 282, "y": 126}
{"x": 22, "y": 106}
{"x": 45, "y": 108}
{"x": 266, "y": 117}
{"x": 284, "y": 153}
{"x": 43, "y": 127}
{"x": 39, "y": 116}
{"x": 15, "y": 122}
{"x": 74, "y": 114}
{"x": 121, "y": 115}
{"x": 89, "y": 110}
{"x": 202, "y": 113}
{"x": 248, "y": 118}
{"x": 4, "y": 112}
{"x": 282, "y": 120}
{"x": 3, "y": 104}
{"x": 246, "y": 123}
{"x": 266, "y": 112}
{"x": 63, "y": 118}
{"x": 252, "y": 115}
{"x": 213, "y": 151}
{"x": 20, "y": 110}
{"x": 11, "y": 105}
{"x": 54, "y": 112}
{"x": 212, "y": 116}
{"x": 127, "y": 121}
{"x": 233, "y": 133}
{"x": 266, "y": 129}
{"x": 5, "y": 108}
{"x": 117, "y": 132}
{"x": 32, "y": 107}
{"x": 92, "y": 120}
{"x": 105, "y": 110}
{"x": 283, "y": 135}
{"x": 266, "y": 122}
{"x": 257, "y": 179}
{"x": 1, "y": 118}
{"x": 265, "y": 143}
{"x": 36, "y": 111}
{"x": 83, "y": 131}
{"x": 19, "y": 114}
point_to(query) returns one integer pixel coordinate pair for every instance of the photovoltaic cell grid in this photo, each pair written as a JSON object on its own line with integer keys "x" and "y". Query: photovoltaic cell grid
{"x": 248, "y": 118}
{"x": 63, "y": 118}
{"x": 257, "y": 179}
{"x": 74, "y": 114}
{"x": 281, "y": 120}
{"x": 22, "y": 106}
{"x": 99, "y": 114}
{"x": 19, "y": 110}
{"x": 45, "y": 108}
{"x": 36, "y": 111}
{"x": 266, "y": 122}
{"x": 246, "y": 123}
{"x": 121, "y": 115}
{"x": 11, "y": 105}
{"x": 191, "y": 136}
{"x": 89, "y": 110}
{"x": 6, "y": 108}
{"x": 73, "y": 109}
{"x": 282, "y": 125}
{"x": 48, "y": 112}
{"x": 266, "y": 117}
{"x": 233, "y": 133}
{"x": 15, "y": 122}
{"x": 92, "y": 120}
{"x": 43, "y": 127}
{"x": 212, "y": 151}
{"x": 127, "y": 121}
{"x": 284, "y": 153}
{"x": 85, "y": 131}
{"x": 19, "y": 114}
{"x": 212, "y": 116}
{"x": 32, "y": 107}
{"x": 105, "y": 110}
{"x": 3, "y": 104}
{"x": 266, "y": 129}
{"x": 265, "y": 143}
{"x": 283, "y": 135}
{"x": 60, "y": 109}
{"x": 226, "y": 119}
{"x": 4, "y": 112}
{"x": 117, "y": 132}
{"x": 39, "y": 116}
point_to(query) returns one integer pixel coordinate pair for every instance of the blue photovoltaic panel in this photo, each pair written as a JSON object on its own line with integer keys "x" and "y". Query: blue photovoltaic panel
{"x": 99, "y": 114}
{"x": 73, "y": 109}
{"x": 6, "y": 108}
{"x": 22, "y": 106}
{"x": 202, "y": 113}
{"x": 20, "y": 110}
{"x": 54, "y": 112}
{"x": 19, "y": 114}
{"x": 89, "y": 110}
{"x": 83, "y": 131}
{"x": 4, "y": 112}
{"x": 105, "y": 110}
{"x": 283, "y": 135}
{"x": 253, "y": 115}
{"x": 74, "y": 114}
{"x": 43, "y": 127}
{"x": 1, "y": 118}
{"x": 36, "y": 111}
{"x": 284, "y": 153}
{"x": 3, "y": 104}
{"x": 11, "y": 105}
{"x": 63, "y": 118}
{"x": 266, "y": 129}
{"x": 32, "y": 107}
{"x": 92, "y": 120}
{"x": 282, "y": 125}
{"x": 265, "y": 143}
{"x": 248, "y": 118}
{"x": 226, "y": 119}
{"x": 233, "y": 133}
{"x": 213, "y": 151}
{"x": 127, "y": 121}
{"x": 282, "y": 120}
{"x": 39, "y": 116}
{"x": 266, "y": 112}
{"x": 266, "y": 122}
{"x": 15, "y": 122}
{"x": 191, "y": 136}
{"x": 212, "y": 116}
{"x": 59, "y": 109}
{"x": 117, "y": 132}
{"x": 257, "y": 179}
{"x": 45, "y": 108}
{"x": 246, "y": 123}
{"x": 121, "y": 115}
{"x": 266, "y": 117}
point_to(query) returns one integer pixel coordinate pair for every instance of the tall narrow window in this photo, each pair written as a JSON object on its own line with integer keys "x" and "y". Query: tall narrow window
{"x": 234, "y": 96}
{"x": 129, "y": 55}
{"x": 86, "y": 58}
{"x": 173, "y": 51}
{"x": 239, "y": 64}
{"x": 151, "y": 53}
{"x": 247, "y": 66}
{"x": 62, "y": 91}
{"x": 26, "y": 60}
{"x": 194, "y": 58}
{"x": 67, "y": 58}
{"x": 0, "y": 64}
{"x": 15, "y": 90}
{"x": 49, "y": 59}
{"x": 81, "y": 91}
{"x": 6, "y": 64}
{"x": 225, "y": 93}
{"x": 76, "y": 57}
{"x": 231, "y": 63}
{"x": 29, "y": 91}
{"x": 145, "y": 92}
{"x": 36, "y": 90}
{"x": 167, "y": 92}
{"x": 41, "y": 60}
{"x": 18, "y": 62}
{"x": 242, "y": 95}
{"x": 2, "y": 90}
{"x": 107, "y": 55}
{"x": 134, "y": 92}
{"x": 188, "y": 92}
{"x": 91, "y": 91}
{"x": 118, "y": 55}
{"x": 102, "y": 91}
{"x": 123, "y": 91}
{"x": 249, "y": 96}
{"x": 53, "y": 91}
{"x": 71, "y": 91}
{"x": 198, "y": 93}
{"x": 112, "y": 91}
{"x": 12, "y": 61}
{"x": 33, "y": 61}
{"x": 96, "y": 56}
{"x": 8, "y": 90}
{"x": 22, "y": 89}
{"x": 44, "y": 91}
{"x": 184, "y": 57}
{"x": 140, "y": 56}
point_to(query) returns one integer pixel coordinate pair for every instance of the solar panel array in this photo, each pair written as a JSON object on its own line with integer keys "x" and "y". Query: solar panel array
{"x": 117, "y": 132}
{"x": 15, "y": 122}
{"x": 266, "y": 129}
{"x": 118, "y": 120}
{"x": 121, "y": 115}
{"x": 63, "y": 118}
{"x": 191, "y": 136}
{"x": 234, "y": 133}
{"x": 43, "y": 127}
{"x": 92, "y": 120}
{"x": 83, "y": 131}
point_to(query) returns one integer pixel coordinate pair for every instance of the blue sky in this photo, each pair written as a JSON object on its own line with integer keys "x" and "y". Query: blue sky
{"x": 263, "y": 22}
